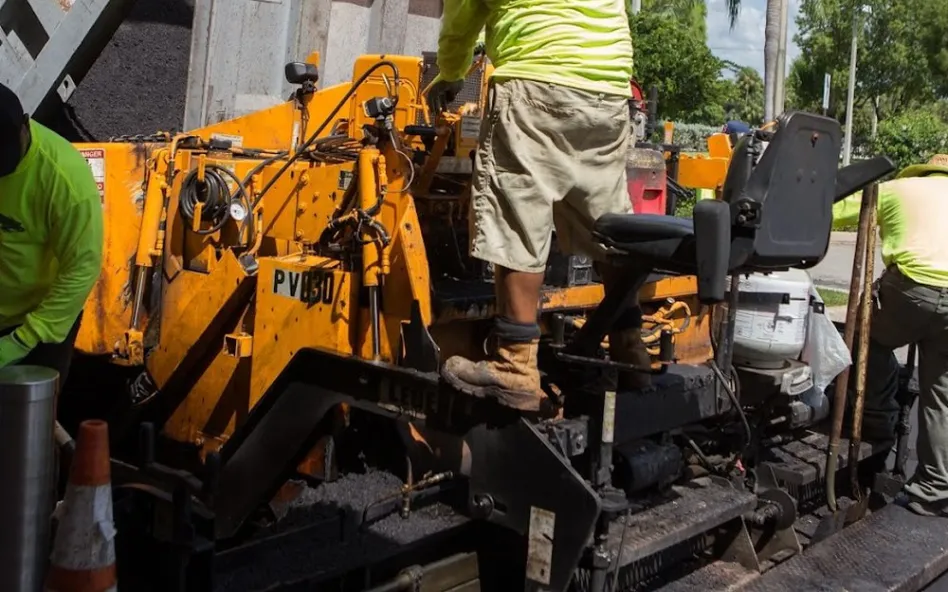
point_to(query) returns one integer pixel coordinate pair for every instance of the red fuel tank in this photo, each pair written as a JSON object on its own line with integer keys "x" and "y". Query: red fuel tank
{"x": 645, "y": 169}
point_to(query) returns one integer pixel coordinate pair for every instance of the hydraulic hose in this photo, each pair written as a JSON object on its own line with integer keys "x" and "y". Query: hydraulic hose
{"x": 214, "y": 196}
{"x": 342, "y": 102}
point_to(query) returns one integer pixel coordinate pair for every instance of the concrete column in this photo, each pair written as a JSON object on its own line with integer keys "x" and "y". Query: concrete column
{"x": 239, "y": 47}
{"x": 388, "y": 24}
{"x": 311, "y": 33}
{"x": 197, "y": 69}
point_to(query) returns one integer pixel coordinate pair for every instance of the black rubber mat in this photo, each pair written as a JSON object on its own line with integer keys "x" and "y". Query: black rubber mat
{"x": 892, "y": 550}
{"x": 803, "y": 461}
{"x": 719, "y": 576}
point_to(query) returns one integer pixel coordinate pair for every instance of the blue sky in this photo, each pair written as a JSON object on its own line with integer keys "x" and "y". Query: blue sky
{"x": 745, "y": 43}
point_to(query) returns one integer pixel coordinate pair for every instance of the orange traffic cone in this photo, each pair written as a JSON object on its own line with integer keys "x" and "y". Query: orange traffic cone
{"x": 83, "y": 558}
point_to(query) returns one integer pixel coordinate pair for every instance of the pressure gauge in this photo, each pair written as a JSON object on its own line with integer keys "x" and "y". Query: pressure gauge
{"x": 237, "y": 210}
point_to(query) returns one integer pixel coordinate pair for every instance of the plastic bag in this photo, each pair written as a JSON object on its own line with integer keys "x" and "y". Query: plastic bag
{"x": 825, "y": 350}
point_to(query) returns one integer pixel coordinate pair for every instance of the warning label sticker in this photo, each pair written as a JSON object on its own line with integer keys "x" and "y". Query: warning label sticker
{"x": 96, "y": 160}
{"x": 470, "y": 127}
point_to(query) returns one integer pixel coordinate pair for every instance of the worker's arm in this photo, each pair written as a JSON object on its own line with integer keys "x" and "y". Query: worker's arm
{"x": 75, "y": 235}
{"x": 461, "y": 24}
{"x": 846, "y": 211}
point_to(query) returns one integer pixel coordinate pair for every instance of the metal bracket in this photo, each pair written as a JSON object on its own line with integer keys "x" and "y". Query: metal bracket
{"x": 740, "y": 548}
{"x": 777, "y": 535}
{"x": 420, "y": 350}
{"x": 531, "y": 492}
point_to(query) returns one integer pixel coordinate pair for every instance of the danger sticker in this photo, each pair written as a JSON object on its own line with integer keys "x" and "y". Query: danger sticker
{"x": 96, "y": 160}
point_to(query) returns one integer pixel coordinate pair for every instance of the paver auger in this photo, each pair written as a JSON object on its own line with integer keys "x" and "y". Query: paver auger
{"x": 284, "y": 286}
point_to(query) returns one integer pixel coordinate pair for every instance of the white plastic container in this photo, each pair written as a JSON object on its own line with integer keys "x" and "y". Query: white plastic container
{"x": 772, "y": 317}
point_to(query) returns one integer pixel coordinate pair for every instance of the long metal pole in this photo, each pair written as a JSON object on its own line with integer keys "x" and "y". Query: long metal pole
{"x": 851, "y": 91}
{"x": 636, "y": 6}
{"x": 849, "y": 333}
{"x": 862, "y": 355}
{"x": 780, "y": 93}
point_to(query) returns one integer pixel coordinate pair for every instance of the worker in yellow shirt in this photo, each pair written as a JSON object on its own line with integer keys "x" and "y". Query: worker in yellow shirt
{"x": 912, "y": 307}
{"x": 50, "y": 240}
{"x": 553, "y": 149}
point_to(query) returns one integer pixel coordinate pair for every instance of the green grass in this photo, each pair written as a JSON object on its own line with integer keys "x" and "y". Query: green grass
{"x": 833, "y": 297}
{"x": 844, "y": 227}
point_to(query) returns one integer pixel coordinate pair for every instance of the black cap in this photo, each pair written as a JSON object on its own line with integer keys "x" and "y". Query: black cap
{"x": 12, "y": 119}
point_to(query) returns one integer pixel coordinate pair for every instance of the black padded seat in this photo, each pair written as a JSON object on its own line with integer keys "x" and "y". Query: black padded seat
{"x": 775, "y": 213}
{"x": 649, "y": 237}
{"x": 637, "y": 228}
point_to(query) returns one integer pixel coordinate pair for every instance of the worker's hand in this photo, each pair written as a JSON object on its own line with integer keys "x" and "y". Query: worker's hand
{"x": 11, "y": 350}
{"x": 442, "y": 94}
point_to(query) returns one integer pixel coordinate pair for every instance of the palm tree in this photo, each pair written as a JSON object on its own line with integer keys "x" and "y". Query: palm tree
{"x": 733, "y": 11}
{"x": 691, "y": 13}
{"x": 771, "y": 43}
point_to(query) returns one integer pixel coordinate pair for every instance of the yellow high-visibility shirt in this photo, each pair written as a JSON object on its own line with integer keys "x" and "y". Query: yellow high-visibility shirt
{"x": 913, "y": 225}
{"x": 584, "y": 44}
{"x": 51, "y": 234}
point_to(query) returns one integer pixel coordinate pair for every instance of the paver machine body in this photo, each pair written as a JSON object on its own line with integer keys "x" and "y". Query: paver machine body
{"x": 276, "y": 280}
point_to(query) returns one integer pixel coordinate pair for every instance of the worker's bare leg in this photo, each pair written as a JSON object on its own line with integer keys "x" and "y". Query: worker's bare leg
{"x": 529, "y": 162}
{"x": 510, "y": 374}
{"x": 521, "y": 294}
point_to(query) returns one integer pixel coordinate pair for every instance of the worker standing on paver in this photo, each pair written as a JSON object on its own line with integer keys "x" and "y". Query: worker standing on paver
{"x": 911, "y": 306}
{"x": 553, "y": 147}
{"x": 50, "y": 240}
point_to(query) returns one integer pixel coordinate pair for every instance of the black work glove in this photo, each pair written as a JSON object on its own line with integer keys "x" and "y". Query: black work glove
{"x": 442, "y": 94}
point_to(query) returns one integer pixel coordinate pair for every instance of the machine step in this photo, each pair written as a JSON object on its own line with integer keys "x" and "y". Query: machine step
{"x": 685, "y": 513}
{"x": 888, "y": 551}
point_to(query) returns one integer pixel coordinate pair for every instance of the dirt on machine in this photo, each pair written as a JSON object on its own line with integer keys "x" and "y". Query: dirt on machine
{"x": 281, "y": 289}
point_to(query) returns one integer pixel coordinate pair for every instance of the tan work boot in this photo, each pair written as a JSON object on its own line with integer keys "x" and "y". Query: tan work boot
{"x": 626, "y": 347}
{"x": 509, "y": 375}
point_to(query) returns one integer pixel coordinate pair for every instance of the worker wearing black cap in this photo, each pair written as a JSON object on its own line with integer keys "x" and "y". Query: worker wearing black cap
{"x": 50, "y": 240}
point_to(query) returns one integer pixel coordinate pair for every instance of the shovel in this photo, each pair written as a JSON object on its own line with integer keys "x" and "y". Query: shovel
{"x": 863, "y": 261}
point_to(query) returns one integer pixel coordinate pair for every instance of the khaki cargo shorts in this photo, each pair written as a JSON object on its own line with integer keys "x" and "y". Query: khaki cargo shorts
{"x": 548, "y": 155}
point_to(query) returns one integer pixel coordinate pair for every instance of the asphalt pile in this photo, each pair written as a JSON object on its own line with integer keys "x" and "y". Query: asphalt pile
{"x": 319, "y": 534}
{"x": 138, "y": 83}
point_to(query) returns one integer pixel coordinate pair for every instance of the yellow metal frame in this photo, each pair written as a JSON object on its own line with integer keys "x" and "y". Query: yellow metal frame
{"x": 236, "y": 305}
{"x": 699, "y": 171}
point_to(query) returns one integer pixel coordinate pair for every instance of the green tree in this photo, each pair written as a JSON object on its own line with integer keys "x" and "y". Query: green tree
{"x": 824, "y": 36}
{"x": 675, "y": 59}
{"x": 744, "y": 96}
{"x": 912, "y": 137}
{"x": 900, "y": 45}
{"x": 691, "y": 13}
{"x": 894, "y": 73}
{"x": 933, "y": 31}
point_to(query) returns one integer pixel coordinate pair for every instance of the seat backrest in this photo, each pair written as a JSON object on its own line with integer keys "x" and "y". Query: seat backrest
{"x": 782, "y": 207}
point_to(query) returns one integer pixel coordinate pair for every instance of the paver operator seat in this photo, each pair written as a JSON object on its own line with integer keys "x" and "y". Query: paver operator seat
{"x": 775, "y": 213}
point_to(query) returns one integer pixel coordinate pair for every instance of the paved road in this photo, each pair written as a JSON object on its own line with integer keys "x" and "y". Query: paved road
{"x": 835, "y": 270}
